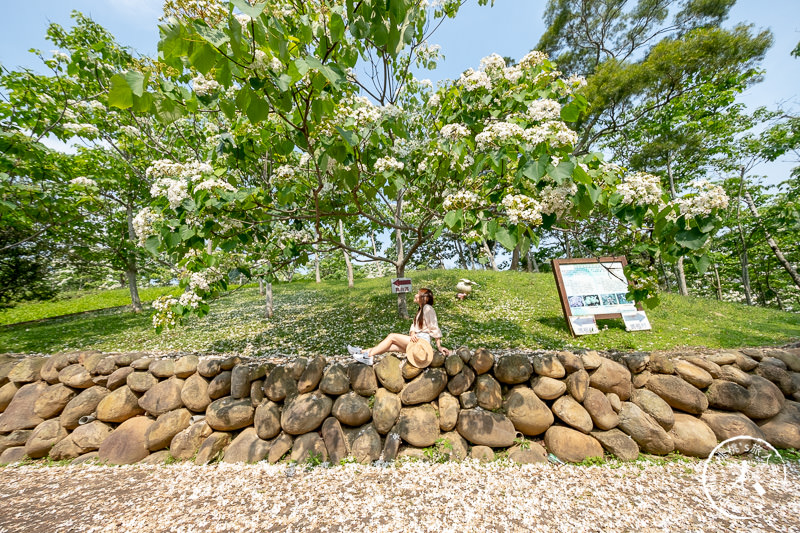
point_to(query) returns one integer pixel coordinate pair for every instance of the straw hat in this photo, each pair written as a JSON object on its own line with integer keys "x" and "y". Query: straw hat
{"x": 420, "y": 353}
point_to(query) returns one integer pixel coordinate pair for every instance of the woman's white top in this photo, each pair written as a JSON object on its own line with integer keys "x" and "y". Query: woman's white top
{"x": 430, "y": 324}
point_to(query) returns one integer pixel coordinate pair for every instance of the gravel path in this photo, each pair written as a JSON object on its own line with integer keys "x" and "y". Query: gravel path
{"x": 458, "y": 497}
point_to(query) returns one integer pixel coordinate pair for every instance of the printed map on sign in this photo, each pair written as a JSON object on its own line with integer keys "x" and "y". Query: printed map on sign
{"x": 596, "y": 288}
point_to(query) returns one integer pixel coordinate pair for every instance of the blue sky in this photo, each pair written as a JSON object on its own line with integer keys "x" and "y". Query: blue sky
{"x": 510, "y": 28}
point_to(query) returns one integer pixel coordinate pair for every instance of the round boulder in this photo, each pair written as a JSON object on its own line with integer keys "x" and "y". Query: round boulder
{"x": 228, "y": 414}
{"x": 267, "y": 420}
{"x": 570, "y": 411}
{"x": 166, "y": 427}
{"x": 119, "y": 406}
{"x": 611, "y": 376}
{"x": 486, "y": 428}
{"x": 75, "y": 376}
{"x": 424, "y": 388}
{"x": 727, "y": 395}
{"x": 163, "y": 397}
{"x": 570, "y": 445}
{"x": 44, "y": 437}
{"x": 127, "y": 444}
{"x": 527, "y": 412}
{"x": 692, "y": 436}
{"x": 385, "y": 410}
{"x": 306, "y": 412}
{"x": 678, "y": 393}
{"x": 351, "y": 409}
{"x": 418, "y": 426}
{"x": 513, "y": 369}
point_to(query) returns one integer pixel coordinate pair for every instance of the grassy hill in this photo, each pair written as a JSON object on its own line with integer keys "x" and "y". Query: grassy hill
{"x": 508, "y": 309}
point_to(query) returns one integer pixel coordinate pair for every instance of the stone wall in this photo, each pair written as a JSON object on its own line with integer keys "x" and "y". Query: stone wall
{"x": 130, "y": 407}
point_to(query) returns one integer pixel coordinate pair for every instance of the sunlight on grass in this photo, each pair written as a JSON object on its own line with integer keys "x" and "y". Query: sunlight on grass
{"x": 506, "y": 310}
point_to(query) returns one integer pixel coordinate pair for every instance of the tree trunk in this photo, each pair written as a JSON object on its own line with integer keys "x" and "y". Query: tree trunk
{"x": 667, "y": 285}
{"x": 261, "y": 287}
{"x": 535, "y": 262}
{"x": 471, "y": 258}
{"x": 490, "y": 255}
{"x": 567, "y": 249}
{"x": 346, "y": 256}
{"x": 316, "y": 263}
{"x": 719, "y": 285}
{"x": 131, "y": 270}
{"x": 743, "y": 255}
{"x": 402, "y": 307}
{"x": 679, "y": 273}
{"x": 268, "y": 300}
{"x": 515, "y": 258}
{"x": 400, "y": 270}
{"x": 771, "y": 242}
{"x": 462, "y": 261}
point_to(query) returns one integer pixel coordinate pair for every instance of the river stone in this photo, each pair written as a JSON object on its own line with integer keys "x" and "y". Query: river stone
{"x": 16, "y": 438}
{"x": 661, "y": 364}
{"x": 611, "y": 376}
{"x": 163, "y": 397}
{"x": 83, "y": 404}
{"x": 736, "y": 375}
{"x": 453, "y": 364}
{"x": 229, "y": 414}
{"x": 570, "y": 445}
{"x": 48, "y": 372}
{"x": 389, "y": 372}
{"x": 599, "y": 408}
{"x": 513, "y": 369}
{"x": 127, "y": 444}
{"x": 209, "y": 367}
{"x": 617, "y": 443}
{"x": 678, "y": 393}
{"x": 166, "y": 427}
{"x": 126, "y": 358}
{"x": 448, "y": 411}
{"x": 461, "y": 382}
{"x": 391, "y": 447}
{"x": 12, "y": 455}
{"x": 257, "y": 392}
{"x": 783, "y": 429}
{"x": 307, "y": 444}
{"x": 279, "y": 384}
{"x": 692, "y": 436}
{"x": 484, "y": 454}
{"x": 573, "y": 413}
{"x": 229, "y": 362}
{"x": 549, "y": 366}
{"x": 637, "y": 362}
{"x": 100, "y": 380}
{"x": 773, "y": 373}
{"x": 351, "y": 409}
{"x": 20, "y": 413}
{"x": 774, "y": 361}
{"x": 279, "y": 446}
{"x": 727, "y": 424}
{"x": 693, "y": 374}
{"x": 464, "y": 353}
{"x": 488, "y": 392}
{"x": 766, "y": 399}
{"x": 362, "y": 379}
{"x": 727, "y": 395}
{"x": 643, "y": 428}
{"x": 141, "y": 381}
{"x": 481, "y": 361}
{"x": 212, "y": 447}
{"x": 44, "y": 437}
{"x": 365, "y": 443}
{"x": 438, "y": 359}
{"x": 454, "y": 445}
{"x": 468, "y": 400}
{"x": 577, "y": 384}
{"x": 185, "y": 444}
{"x": 613, "y": 399}
{"x": 75, "y": 376}
{"x": 247, "y": 447}
{"x": 527, "y": 412}
{"x": 90, "y": 436}
{"x": 63, "y": 449}
{"x": 424, "y": 388}
{"x": 410, "y": 371}
{"x": 532, "y": 453}
{"x": 156, "y": 458}
{"x": 220, "y": 386}
{"x": 90, "y": 359}
{"x": 570, "y": 361}
{"x": 194, "y": 393}
{"x": 745, "y": 363}
{"x": 53, "y": 401}
{"x": 652, "y": 404}
{"x": 119, "y": 406}
{"x": 267, "y": 420}
{"x": 418, "y": 426}
{"x": 118, "y": 378}
{"x": 142, "y": 363}
{"x": 548, "y": 388}
{"x": 162, "y": 368}
{"x": 335, "y": 381}
{"x": 312, "y": 375}
{"x": 306, "y": 412}
{"x": 186, "y": 366}
{"x": 591, "y": 360}
{"x": 791, "y": 360}
{"x": 722, "y": 358}
{"x": 486, "y": 428}
{"x": 27, "y": 370}
{"x": 334, "y": 439}
{"x": 713, "y": 369}
{"x": 296, "y": 367}
{"x": 239, "y": 381}
{"x": 385, "y": 410}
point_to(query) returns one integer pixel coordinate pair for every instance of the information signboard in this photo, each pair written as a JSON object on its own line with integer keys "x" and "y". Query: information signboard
{"x": 400, "y": 285}
{"x": 594, "y": 287}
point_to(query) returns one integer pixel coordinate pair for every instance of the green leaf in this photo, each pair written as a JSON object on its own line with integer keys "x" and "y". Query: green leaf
{"x": 452, "y": 218}
{"x": 506, "y": 238}
{"x": 336, "y": 27}
{"x": 570, "y": 112}
{"x": 350, "y": 138}
{"x": 120, "y": 95}
{"x": 258, "y": 110}
{"x": 693, "y": 239}
{"x": 186, "y": 233}
{"x": 562, "y": 172}
{"x": 214, "y": 36}
{"x": 152, "y": 243}
{"x": 203, "y": 58}
{"x": 701, "y": 263}
{"x": 253, "y": 11}
{"x": 135, "y": 82}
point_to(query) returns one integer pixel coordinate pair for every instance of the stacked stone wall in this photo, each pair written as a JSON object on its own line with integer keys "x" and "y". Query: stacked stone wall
{"x": 132, "y": 407}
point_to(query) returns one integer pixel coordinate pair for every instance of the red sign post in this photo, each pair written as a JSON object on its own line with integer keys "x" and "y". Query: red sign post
{"x": 400, "y": 285}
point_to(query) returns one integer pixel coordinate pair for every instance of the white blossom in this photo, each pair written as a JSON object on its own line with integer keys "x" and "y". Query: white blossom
{"x": 521, "y": 208}
{"x": 512, "y": 74}
{"x": 284, "y": 172}
{"x": 708, "y": 198}
{"x": 434, "y": 100}
{"x": 498, "y": 133}
{"x": 532, "y": 59}
{"x": 83, "y": 181}
{"x": 82, "y": 129}
{"x": 388, "y": 164}
{"x": 130, "y": 131}
{"x": 544, "y": 109}
{"x": 640, "y": 188}
{"x": 473, "y": 80}
{"x": 460, "y": 200}
{"x": 211, "y": 184}
{"x": 190, "y": 299}
{"x": 144, "y": 224}
{"x": 243, "y": 19}
{"x": 454, "y": 132}
{"x": 177, "y": 192}
{"x": 203, "y": 86}
{"x": 493, "y": 64}
{"x": 556, "y": 200}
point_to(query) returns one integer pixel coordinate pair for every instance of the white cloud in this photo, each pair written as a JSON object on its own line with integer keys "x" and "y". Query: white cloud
{"x": 58, "y": 145}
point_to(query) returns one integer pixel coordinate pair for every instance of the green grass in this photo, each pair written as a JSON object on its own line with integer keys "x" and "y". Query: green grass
{"x": 77, "y": 302}
{"x": 507, "y": 310}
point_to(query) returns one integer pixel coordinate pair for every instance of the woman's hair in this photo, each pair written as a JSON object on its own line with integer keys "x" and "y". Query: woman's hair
{"x": 425, "y": 298}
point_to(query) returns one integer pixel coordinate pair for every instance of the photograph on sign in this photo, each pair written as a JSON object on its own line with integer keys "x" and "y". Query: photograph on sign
{"x": 596, "y": 288}
{"x": 636, "y": 321}
{"x": 584, "y": 325}
{"x": 400, "y": 285}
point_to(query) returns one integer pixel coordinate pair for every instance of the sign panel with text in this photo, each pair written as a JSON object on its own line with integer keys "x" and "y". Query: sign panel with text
{"x": 400, "y": 285}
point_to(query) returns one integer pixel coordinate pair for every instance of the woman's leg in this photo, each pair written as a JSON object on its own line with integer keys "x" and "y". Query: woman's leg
{"x": 394, "y": 342}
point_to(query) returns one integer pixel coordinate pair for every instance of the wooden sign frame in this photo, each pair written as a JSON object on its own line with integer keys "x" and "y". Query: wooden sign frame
{"x": 562, "y": 291}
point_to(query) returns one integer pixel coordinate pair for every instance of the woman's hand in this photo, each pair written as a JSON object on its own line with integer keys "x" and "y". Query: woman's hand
{"x": 444, "y": 351}
{"x": 413, "y": 336}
